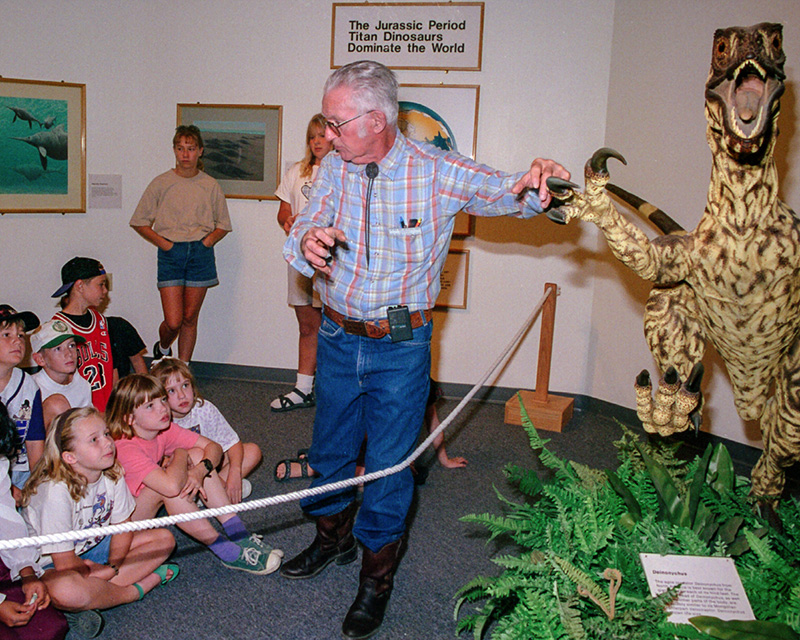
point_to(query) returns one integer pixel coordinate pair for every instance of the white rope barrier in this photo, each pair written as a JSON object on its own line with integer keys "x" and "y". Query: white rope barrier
{"x": 250, "y": 505}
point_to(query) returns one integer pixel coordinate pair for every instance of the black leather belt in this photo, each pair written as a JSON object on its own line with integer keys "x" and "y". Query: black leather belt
{"x": 373, "y": 328}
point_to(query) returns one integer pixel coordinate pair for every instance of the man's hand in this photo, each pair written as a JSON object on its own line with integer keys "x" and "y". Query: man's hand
{"x": 536, "y": 178}
{"x": 317, "y": 245}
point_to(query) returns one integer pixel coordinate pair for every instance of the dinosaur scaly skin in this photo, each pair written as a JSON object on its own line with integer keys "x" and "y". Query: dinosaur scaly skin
{"x": 734, "y": 281}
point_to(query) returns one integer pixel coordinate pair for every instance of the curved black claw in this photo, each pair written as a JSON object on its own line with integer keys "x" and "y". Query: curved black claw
{"x": 556, "y": 215}
{"x": 643, "y": 379}
{"x": 695, "y": 378}
{"x": 671, "y": 376}
{"x": 560, "y": 188}
{"x": 599, "y": 159}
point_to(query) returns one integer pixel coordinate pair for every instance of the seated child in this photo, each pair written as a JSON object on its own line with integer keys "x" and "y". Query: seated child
{"x": 167, "y": 465}
{"x": 55, "y": 349}
{"x": 83, "y": 290}
{"x": 78, "y": 484}
{"x": 191, "y": 411}
{"x": 127, "y": 347}
{"x": 25, "y": 611}
{"x": 19, "y": 393}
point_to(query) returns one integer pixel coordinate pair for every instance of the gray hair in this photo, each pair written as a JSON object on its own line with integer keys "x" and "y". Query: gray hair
{"x": 374, "y": 87}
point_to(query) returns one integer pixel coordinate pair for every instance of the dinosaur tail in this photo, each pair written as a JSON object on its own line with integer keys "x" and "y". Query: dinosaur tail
{"x": 649, "y": 212}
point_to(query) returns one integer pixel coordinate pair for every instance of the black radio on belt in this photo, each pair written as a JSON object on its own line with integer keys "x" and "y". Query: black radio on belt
{"x": 399, "y": 323}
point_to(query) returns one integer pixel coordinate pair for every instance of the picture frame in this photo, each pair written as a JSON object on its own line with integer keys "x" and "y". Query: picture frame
{"x": 446, "y": 115}
{"x": 242, "y": 146}
{"x": 43, "y": 159}
{"x": 454, "y": 280}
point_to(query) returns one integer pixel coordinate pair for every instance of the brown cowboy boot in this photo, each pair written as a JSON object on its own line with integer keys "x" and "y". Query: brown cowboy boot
{"x": 334, "y": 541}
{"x": 376, "y": 581}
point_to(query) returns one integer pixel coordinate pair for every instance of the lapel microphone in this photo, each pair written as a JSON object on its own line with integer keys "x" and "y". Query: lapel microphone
{"x": 372, "y": 173}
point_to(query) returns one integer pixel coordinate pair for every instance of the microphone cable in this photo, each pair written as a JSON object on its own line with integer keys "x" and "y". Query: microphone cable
{"x": 372, "y": 173}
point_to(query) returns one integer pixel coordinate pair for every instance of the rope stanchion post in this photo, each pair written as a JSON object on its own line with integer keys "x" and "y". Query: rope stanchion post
{"x": 547, "y": 411}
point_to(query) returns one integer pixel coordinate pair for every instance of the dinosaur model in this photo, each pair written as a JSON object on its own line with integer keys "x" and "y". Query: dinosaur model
{"x": 734, "y": 281}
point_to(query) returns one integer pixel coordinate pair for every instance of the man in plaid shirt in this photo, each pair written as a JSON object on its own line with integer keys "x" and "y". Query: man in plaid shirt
{"x": 377, "y": 227}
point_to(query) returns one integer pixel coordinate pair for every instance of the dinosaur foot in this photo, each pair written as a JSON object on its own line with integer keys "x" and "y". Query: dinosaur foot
{"x": 674, "y": 406}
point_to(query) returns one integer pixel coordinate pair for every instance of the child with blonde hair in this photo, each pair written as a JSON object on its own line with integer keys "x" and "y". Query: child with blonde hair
{"x": 165, "y": 464}
{"x": 191, "y": 411}
{"x": 76, "y": 485}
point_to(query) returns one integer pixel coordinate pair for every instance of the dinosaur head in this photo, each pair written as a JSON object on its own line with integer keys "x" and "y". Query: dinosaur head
{"x": 744, "y": 87}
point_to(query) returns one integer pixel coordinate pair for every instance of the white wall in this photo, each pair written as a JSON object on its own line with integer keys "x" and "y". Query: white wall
{"x": 659, "y": 64}
{"x": 543, "y": 92}
{"x": 555, "y": 76}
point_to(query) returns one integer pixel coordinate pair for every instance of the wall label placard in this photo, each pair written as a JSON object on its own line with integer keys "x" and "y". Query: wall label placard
{"x": 409, "y": 35}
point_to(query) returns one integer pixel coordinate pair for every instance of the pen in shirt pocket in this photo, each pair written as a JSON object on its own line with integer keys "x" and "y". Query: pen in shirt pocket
{"x": 414, "y": 222}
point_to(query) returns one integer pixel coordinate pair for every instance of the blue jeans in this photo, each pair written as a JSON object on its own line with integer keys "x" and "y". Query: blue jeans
{"x": 374, "y": 389}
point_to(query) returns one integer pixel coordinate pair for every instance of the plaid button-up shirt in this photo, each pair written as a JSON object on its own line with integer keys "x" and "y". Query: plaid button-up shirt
{"x": 415, "y": 197}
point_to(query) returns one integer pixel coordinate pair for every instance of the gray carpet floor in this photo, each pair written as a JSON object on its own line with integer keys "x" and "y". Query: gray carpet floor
{"x": 211, "y": 602}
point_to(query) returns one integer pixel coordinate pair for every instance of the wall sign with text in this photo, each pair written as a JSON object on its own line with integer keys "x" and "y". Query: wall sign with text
{"x": 409, "y": 35}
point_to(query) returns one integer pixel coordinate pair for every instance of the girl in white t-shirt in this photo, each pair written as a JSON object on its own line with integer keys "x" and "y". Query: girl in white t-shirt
{"x": 191, "y": 411}
{"x": 78, "y": 484}
{"x": 293, "y": 192}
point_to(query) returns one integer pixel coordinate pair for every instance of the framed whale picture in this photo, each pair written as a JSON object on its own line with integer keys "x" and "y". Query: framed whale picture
{"x": 43, "y": 155}
{"x": 241, "y": 146}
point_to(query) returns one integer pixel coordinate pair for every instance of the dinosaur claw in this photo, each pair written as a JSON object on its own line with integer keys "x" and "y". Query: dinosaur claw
{"x": 695, "y": 378}
{"x": 556, "y": 215}
{"x": 643, "y": 379}
{"x": 599, "y": 160}
{"x": 559, "y": 187}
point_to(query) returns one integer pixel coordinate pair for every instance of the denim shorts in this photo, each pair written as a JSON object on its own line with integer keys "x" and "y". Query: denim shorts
{"x": 187, "y": 264}
{"x": 98, "y": 553}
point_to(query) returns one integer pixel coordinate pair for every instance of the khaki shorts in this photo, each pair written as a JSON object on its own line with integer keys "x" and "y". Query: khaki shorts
{"x": 301, "y": 290}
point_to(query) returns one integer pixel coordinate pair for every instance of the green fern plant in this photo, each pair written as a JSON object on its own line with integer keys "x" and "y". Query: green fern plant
{"x": 576, "y": 572}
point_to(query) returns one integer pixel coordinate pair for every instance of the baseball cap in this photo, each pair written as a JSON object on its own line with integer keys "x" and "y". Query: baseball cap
{"x": 78, "y": 269}
{"x": 51, "y": 334}
{"x": 28, "y": 318}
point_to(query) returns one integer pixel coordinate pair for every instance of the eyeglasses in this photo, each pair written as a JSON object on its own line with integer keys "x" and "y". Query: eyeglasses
{"x": 336, "y": 127}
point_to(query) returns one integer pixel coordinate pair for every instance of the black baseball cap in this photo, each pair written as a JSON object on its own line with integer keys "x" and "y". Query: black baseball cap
{"x": 28, "y": 318}
{"x": 78, "y": 269}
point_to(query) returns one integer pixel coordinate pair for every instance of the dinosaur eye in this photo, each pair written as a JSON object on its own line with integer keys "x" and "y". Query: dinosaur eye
{"x": 721, "y": 49}
{"x": 776, "y": 42}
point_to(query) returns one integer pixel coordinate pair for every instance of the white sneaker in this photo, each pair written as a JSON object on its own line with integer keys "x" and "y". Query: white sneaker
{"x": 247, "y": 488}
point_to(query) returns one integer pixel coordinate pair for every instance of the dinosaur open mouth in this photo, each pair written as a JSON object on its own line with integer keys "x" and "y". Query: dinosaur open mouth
{"x": 747, "y": 103}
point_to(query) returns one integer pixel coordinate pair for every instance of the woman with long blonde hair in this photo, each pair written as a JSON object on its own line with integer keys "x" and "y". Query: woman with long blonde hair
{"x": 293, "y": 192}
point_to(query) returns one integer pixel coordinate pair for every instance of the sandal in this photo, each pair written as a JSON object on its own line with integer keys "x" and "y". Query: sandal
{"x": 286, "y": 474}
{"x": 287, "y": 404}
{"x": 161, "y": 572}
{"x": 302, "y": 453}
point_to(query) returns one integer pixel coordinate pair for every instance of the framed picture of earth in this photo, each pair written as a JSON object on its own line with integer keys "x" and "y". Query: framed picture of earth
{"x": 242, "y": 146}
{"x": 43, "y": 159}
{"x": 445, "y": 115}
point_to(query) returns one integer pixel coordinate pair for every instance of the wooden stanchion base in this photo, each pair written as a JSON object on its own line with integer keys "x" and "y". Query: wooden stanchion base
{"x": 550, "y": 416}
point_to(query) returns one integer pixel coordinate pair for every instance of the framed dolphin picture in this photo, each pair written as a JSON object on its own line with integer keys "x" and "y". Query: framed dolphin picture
{"x": 43, "y": 150}
{"x": 242, "y": 146}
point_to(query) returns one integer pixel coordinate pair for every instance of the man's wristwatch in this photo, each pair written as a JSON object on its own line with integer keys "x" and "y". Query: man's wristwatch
{"x": 208, "y": 465}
